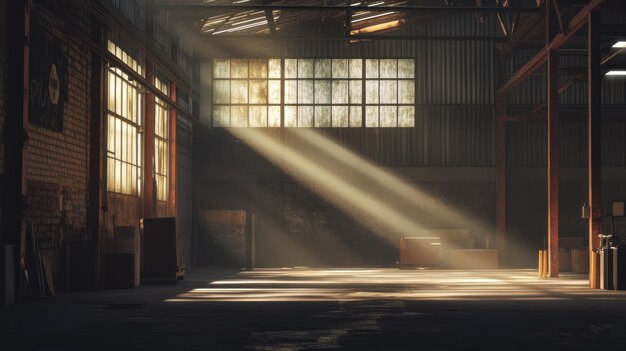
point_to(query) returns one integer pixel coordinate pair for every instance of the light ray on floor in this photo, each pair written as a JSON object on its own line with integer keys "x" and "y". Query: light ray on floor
{"x": 271, "y": 285}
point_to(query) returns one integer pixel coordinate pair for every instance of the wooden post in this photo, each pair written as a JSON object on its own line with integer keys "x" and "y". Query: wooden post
{"x": 148, "y": 144}
{"x": 594, "y": 138}
{"x": 171, "y": 198}
{"x": 553, "y": 165}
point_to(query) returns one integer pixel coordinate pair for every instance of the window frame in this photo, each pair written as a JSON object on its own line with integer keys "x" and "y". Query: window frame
{"x": 313, "y": 105}
{"x": 161, "y": 175}
{"x": 131, "y": 160}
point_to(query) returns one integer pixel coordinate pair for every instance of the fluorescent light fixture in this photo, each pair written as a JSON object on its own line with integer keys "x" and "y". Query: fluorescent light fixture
{"x": 235, "y": 29}
{"x": 620, "y": 44}
{"x": 616, "y": 73}
{"x": 373, "y": 16}
{"x": 377, "y": 27}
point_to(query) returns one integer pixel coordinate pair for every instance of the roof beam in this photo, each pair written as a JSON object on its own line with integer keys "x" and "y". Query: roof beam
{"x": 541, "y": 57}
{"x": 342, "y": 8}
{"x": 228, "y": 37}
{"x": 269, "y": 15}
{"x": 530, "y": 26}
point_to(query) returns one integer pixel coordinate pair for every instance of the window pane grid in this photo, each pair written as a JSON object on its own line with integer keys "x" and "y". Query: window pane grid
{"x": 313, "y": 93}
{"x": 161, "y": 136}
{"x": 124, "y": 120}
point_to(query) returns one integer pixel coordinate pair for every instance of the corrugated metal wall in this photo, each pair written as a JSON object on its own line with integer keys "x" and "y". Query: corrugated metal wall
{"x": 455, "y": 95}
{"x": 526, "y": 141}
{"x": 533, "y": 90}
{"x": 443, "y": 136}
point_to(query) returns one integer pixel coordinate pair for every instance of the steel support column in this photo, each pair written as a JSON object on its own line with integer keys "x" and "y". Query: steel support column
{"x": 553, "y": 165}
{"x": 148, "y": 144}
{"x": 552, "y": 29}
{"x": 501, "y": 176}
{"x": 171, "y": 196}
{"x": 577, "y": 22}
{"x": 594, "y": 124}
{"x": 149, "y": 191}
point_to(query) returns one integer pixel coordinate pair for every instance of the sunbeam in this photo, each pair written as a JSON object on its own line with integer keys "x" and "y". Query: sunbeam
{"x": 358, "y": 202}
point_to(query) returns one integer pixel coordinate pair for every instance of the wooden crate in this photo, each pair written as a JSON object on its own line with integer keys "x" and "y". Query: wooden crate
{"x": 420, "y": 251}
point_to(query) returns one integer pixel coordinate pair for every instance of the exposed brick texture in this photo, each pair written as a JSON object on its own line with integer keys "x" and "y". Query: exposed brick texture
{"x": 57, "y": 168}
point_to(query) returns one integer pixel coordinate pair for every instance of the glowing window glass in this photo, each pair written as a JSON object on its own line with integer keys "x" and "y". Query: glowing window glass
{"x": 124, "y": 124}
{"x": 313, "y": 93}
{"x": 161, "y": 142}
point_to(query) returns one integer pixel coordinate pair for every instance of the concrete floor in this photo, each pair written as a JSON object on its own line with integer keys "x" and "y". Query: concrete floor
{"x": 320, "y": 309}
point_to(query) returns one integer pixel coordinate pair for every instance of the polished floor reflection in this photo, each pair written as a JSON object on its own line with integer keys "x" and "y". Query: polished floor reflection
{"x": 303, "y": 284}
{"x": 328, "y": 309}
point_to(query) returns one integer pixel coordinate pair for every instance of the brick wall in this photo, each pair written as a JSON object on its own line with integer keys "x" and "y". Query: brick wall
{"x": 57, "y": 164}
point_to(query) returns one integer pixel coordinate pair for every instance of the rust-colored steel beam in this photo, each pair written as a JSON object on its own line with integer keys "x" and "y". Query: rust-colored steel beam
{"x": 212, "y": 8}
{"x": 333, "y": 37}
{"x": 536, "y": 112}
{"x": 532, "y": 24}
{"x": 553, "y": 165}
{"x": 171, "y": 197}
{"x": 148, "y": 147}
{"x": 501, "y": 175}
{"x": 594, "y": 125}
{"x": 542, "y": 56}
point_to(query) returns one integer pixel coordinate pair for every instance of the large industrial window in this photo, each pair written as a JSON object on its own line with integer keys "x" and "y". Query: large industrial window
{"x": 389, "y": 93}
{"x": 313, "y": 93}
{"x": 161, "y": 133}
{"x": 247, "y": 93}
{"x": 124, "y": 119}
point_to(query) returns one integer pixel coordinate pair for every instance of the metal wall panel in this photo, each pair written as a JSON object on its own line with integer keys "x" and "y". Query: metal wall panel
{"x": 526, "y": 143}
{"x": 532, "y": 90}
{"x": 455, "y": 72}
{"x": 455, "y": 88}
{"x": 457, "y": 136}
{"x": 184, "y": 195}
{"x": 614, "y": 144}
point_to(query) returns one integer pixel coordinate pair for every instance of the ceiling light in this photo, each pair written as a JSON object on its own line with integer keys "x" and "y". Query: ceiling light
{"x": 616, "y": 73}
{"x": 373, "y": 16}
{"x": 377, "y": 27}
{"x": 620, "y": 44}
